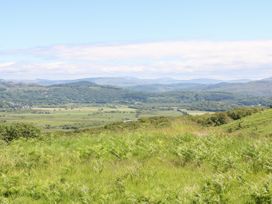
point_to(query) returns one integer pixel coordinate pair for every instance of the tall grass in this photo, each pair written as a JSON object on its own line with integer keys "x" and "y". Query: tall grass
{"x": 168, "y": 161}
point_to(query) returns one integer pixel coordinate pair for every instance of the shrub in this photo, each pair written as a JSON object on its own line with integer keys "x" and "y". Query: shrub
{"x": 239, "y": 113}
{"x": 212, "y": 191}
{"x": 215, "y": 119}
{"x": 261, "y": 194}
{"x": 185, "y": 154}
{"x": 18, "y": 130}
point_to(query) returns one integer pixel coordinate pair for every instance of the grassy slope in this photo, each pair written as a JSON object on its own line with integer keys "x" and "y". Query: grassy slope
{"x": 259, "y": 124}
{"x": 163, "y": 161}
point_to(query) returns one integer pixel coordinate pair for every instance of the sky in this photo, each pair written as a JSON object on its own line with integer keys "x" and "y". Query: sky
{"x": 185, "y": 39}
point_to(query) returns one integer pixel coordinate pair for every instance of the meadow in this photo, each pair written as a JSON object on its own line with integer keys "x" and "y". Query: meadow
{"x": 152, "y": 160}
{"x": 74, "y": 117}
{"x": 68, "y": 118}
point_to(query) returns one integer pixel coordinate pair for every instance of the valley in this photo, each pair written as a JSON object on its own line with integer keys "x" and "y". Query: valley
{"x": 71, "y": 117}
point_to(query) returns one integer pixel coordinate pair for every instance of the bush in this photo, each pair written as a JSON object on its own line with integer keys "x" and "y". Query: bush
{"x": 239, "y": 113}
{"x": 261, "y": 194}
{"x": 212, "y": 191}
{"x": 18, "y": 130}
{"x": 215, "y": 119}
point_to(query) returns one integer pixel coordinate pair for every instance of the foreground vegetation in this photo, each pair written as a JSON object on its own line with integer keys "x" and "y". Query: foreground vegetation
{"x": 156, "y": 160}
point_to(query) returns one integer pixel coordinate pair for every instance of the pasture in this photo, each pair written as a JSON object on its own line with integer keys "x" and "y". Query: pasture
{"x": 72, "y": 117}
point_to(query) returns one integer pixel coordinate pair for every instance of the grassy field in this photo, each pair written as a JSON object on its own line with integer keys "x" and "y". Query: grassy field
{"x": 71, "y": 118}
{"x": 159, "y": 160}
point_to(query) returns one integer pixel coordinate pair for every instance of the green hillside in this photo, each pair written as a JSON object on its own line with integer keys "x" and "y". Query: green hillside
{"x": 156, "y": 160}
{"x": 18, "y": 96}
{"x": 262, "y": 88}
{"x": 78, "y": 92}
{"x": 259, "y": 124}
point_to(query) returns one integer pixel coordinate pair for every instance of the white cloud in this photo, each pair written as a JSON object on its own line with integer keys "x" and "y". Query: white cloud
{"x": 6, "y": 64}
{"x": 230, "y": 59}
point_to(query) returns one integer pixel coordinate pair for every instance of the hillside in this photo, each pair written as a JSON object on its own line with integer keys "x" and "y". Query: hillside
{"x": 257, "y": 125}
{"x": 158, "y": 160}
{"x": 184, "y": 96}
{"x": 262, "y": 88}
{"x": 77, "y": 92}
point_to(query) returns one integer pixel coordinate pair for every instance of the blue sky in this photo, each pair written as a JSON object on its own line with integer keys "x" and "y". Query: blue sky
{"x": 44, "y": 39}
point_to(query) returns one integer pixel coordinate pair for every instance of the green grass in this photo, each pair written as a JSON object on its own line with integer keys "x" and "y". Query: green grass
{"x": 258, "y": 124}
{"x": 67, "y": 118}
{"x": 150, "y": 161}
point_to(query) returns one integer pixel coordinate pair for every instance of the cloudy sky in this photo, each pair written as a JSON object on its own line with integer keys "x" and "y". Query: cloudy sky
{"x": 62, "y": 39}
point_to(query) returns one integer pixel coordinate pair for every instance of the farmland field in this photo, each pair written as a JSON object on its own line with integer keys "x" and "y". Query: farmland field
{"x": 78, "y": 117}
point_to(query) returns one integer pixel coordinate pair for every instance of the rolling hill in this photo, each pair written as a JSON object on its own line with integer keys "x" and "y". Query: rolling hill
{"x": 262, "y": 88}
{"x": 210, "y": 97}
{"x": 77, "y": 92}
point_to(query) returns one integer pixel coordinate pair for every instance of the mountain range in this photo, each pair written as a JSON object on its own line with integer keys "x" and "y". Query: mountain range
{"x": 201, "y": 94}
{"x": 130, "y": 81}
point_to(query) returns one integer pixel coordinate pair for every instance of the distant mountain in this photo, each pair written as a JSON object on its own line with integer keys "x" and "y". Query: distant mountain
{"x": 112, "y": 81}
{"x": 211, "y": 97}
{"x": 118, "y": 81}
{"x": 44, "y": 82}
{"x": 201, "y": 81}
{"x": 239, "y": 81}
{"x": 125, "y": 81}
{"x": 267, "y": 79}
{"x": 260, "y": 88}
{"x": 159, "y": 88}
{"x": 76, "y": 92}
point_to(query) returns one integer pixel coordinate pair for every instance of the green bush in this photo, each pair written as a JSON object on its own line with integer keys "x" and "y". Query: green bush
{"x": 215, "y": 119}
{"x": 212, "y": 191}
{"x": 239, "y": 113}
{"x": 261, "y": 194}
{"x": 18, "y": 130}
